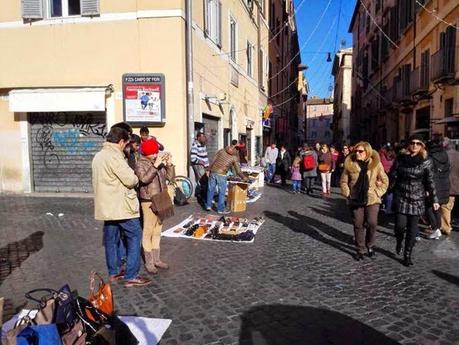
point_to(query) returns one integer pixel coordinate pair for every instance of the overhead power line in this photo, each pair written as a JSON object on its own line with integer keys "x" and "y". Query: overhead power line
{"x": 432, "y": 13}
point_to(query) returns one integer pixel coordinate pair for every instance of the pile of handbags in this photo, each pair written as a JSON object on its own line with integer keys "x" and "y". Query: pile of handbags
{"x": 63, "y": 317}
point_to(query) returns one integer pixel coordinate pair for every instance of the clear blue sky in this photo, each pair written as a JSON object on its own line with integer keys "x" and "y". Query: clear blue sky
{"x": 331, "y": 29}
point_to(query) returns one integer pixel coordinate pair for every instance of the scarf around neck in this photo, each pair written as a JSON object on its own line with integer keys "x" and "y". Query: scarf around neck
{"x": 361, "y": 186}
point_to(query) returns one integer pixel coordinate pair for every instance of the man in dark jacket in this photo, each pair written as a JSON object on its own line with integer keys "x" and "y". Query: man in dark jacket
{"x": 225, "y": 159}
{"x": 445, "y": 210}
{"x": 441, "y": 171}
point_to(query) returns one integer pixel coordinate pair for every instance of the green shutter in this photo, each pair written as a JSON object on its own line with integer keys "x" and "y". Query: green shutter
{"x": 32, "y": 9}
{"x": 90, "y": 8}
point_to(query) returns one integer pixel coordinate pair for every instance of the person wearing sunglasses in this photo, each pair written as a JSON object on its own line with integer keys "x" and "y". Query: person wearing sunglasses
{"x": 411, "y": 178}
{"x": 363, "y": 183}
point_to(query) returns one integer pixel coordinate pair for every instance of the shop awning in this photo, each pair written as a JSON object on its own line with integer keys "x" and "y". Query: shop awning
{"x": 60, "y": 99}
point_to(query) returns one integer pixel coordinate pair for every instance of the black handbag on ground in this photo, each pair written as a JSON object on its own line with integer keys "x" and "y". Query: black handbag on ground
{"x": 102, "y": 329}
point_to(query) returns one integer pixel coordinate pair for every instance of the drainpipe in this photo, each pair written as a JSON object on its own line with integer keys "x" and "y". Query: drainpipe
{"x": 189, "y": 80}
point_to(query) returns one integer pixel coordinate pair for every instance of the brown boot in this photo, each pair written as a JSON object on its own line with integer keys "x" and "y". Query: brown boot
{"x": 150, "y": 262}
{"x": 158, "y": 262}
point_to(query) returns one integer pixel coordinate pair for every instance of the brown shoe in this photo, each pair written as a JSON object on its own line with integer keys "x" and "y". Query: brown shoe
{"x": 158, "y": 262}
{"x": 117, "y": 277}
{"x": 150, "y": 262}
{"x": 139, "y": 281}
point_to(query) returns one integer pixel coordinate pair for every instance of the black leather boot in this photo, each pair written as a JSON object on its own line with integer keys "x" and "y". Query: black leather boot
{"x": 398, "y": 247}
{"x": 407, "y": 257}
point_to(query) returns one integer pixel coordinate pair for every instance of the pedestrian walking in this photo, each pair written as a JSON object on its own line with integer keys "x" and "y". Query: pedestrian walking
{"x": 145, "y": 135}
{"x": 341, "y": 159}
{"x": 295, "y": 171}
{"x": 326, "y": 167}
{"x": 309, "y": 157}
{"x": 116, "y": 203}
{"x": 271, "y": 154}
{"x": 283, "y": 164}
{"x": 411, "y": 178}
{"x": 335, "y": 174}
{"x": 453, "y": 156}
{"x": 387, "y": 155}
{"x": 199, "y": 159}
{"x": 225, "y": 159}
{"x": 153, "y": 171}
{"x": 441, "y": 171}
{"x": 363, "y": 183}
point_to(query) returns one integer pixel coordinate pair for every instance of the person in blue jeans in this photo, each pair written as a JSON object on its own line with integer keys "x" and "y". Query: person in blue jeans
{"x": 116, "y": 203}
{"x": 225, "y": 159}
{"x": 271, "y": 154}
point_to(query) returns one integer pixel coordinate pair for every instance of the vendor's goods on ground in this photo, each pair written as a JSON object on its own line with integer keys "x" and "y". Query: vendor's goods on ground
{"x": 63, "y": 317}
{"x": 212, "y": 227}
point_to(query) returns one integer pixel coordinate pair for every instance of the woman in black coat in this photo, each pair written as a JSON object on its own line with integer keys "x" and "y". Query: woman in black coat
{"x": 441, "y": 169}
{"x": 283, "y": 164}
{"x": 411, "y": 179}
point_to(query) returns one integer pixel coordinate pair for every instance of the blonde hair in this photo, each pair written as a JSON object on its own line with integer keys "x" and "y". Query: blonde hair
{"x": 325, "y": 146}
{"x": 366, "y": 147}
{"x": 296, "y": 161}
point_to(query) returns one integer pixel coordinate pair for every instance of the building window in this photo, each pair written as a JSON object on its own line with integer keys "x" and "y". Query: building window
{"x": 212, "y": 25}
{"x": 233, "y": 39}
{"x": 63, "y": 8}
{"x": 313, "y": 134}
{"x": 249, "y": 52}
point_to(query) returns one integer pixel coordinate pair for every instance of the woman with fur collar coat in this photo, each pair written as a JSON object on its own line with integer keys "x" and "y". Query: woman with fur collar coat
{"x": 411, "y": 178}
{"x": 363, "y": 183}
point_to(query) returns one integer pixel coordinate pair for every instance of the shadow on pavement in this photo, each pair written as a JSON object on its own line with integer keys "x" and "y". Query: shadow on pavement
{"x": 448, "y": 277}
{"x": 298, "y": 224}
{"x": 11, "y": 257}
{"x": 14, "y": 254}
{"x": 283, "y": 324}
{"x": 308, "y": 226}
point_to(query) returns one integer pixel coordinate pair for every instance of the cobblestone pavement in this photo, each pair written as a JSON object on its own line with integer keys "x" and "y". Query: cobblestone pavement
{"x": 297, "y": 284}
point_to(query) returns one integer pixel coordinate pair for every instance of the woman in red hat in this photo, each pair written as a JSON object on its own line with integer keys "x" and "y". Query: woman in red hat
{"x": 153, "y": 171}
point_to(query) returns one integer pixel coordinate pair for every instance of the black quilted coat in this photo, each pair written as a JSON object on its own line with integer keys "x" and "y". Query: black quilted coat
{"x": 411, "y": 177}
{"x": 441, "y": 169}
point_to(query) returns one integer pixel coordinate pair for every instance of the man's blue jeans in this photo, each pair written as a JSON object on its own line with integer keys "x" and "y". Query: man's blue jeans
{"x": 271, "y": 171}
{"x": 132, "y": 231}
{"x": 214, "y": 181}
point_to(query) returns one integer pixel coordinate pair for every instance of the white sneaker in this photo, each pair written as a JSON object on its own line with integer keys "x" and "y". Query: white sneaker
{"x": 435, "y": 235}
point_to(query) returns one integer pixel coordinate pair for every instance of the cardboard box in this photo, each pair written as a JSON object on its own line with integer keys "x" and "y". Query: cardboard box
{"x": 237, "y": 196}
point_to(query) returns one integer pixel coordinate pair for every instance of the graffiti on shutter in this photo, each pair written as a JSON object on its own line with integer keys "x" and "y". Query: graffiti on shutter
{"x": 90, "y": 8}
{"x": 63, "y": 146}
{"x": 32, "y": 9}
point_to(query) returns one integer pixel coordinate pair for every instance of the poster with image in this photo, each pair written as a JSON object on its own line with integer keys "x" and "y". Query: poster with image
{"x": 143, "y": 98}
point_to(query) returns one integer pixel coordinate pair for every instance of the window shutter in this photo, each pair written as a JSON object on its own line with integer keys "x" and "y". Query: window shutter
{"x": 90, "y": 8}
{"x": 219, "y": 24}
{"x": 206, "y": 18}
{"x": 32, "y": 9}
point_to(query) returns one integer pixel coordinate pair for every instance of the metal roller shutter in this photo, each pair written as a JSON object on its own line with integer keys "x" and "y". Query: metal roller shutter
{"x": 63, "y": 146}
{"x": 211, "y": 131}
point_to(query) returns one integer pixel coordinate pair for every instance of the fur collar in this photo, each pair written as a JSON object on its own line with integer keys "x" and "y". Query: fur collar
{"x": 352, "y": 166}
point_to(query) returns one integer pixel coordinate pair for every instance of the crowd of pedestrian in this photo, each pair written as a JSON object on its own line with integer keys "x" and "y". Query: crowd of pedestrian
{"x": 413, "y": 180}
{"x": 417, "y": 181}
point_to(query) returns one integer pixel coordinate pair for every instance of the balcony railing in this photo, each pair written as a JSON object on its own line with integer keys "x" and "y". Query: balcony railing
{"x": 444, "y": 64}
{"x": 419, "y": 80}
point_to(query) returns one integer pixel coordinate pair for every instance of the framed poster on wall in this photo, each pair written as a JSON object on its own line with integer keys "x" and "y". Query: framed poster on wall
{"x": 144, "y": 99}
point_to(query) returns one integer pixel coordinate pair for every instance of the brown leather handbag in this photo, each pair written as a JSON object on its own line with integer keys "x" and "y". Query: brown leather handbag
{"x": 100, "y": 295}
{"x": 161, "y": 203}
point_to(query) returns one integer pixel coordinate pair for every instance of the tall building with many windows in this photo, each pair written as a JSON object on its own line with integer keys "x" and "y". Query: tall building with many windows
{"x": 406, "y": 69}
{"x": 73, "y": 68}
{"x": 319, "y": 120}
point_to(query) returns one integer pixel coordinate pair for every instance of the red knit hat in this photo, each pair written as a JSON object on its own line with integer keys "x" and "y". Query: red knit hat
{"x": 149, "y": 147}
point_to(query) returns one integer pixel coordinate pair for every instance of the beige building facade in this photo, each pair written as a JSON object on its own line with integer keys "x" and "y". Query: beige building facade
{"x": 342, "y": 72}
{"x": 61, "y": 81}
{"x": 319, "y": 117}
{"x": 405, "y": 76}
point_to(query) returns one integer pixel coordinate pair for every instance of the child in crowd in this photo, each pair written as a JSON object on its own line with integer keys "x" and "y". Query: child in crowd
{"x": 296, "y": 175}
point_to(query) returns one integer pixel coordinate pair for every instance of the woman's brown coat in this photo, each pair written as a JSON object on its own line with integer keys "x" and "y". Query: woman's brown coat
{"x": 378, "y": 179}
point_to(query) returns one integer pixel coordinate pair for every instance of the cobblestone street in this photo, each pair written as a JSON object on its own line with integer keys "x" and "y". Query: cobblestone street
{"x": 296, "y": 284}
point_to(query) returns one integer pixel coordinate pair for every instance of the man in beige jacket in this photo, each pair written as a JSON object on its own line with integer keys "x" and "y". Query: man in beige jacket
{"x": 116, "y": 203}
